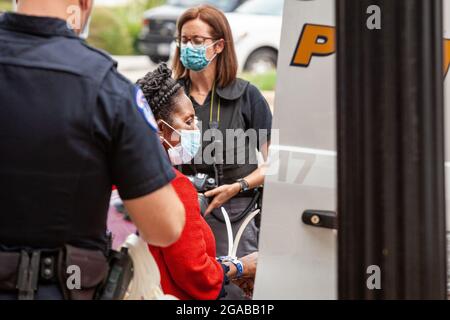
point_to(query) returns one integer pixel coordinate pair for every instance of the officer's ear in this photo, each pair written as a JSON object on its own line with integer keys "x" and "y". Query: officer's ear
{"x": 86, "y": 5}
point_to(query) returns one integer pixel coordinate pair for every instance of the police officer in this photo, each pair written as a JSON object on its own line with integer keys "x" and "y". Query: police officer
{"x": 70, "y": 127}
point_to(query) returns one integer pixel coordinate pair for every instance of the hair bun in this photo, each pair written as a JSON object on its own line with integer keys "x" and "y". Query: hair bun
{"x": 164, "y": 70}
{"x": 158, "y": 86}
{"x": 157, "y": 80}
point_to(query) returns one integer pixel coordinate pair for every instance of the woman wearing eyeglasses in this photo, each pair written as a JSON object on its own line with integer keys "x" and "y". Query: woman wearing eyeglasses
{"x": 234, "y": 118}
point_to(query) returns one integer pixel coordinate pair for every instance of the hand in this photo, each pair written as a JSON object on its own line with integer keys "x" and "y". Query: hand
{"x": 250, "y": 261}
{"x": 221, "y": 195}
{"x": 246, "y": 284}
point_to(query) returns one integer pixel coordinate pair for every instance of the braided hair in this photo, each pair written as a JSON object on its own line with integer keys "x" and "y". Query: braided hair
{"x": 160, "y": 90}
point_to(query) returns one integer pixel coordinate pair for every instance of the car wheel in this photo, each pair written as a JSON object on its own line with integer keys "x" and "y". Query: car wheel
{"x": 158, "y": 59}
{"x": 261, "y": 61}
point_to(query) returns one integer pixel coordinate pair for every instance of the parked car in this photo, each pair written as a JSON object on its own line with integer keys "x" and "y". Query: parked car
{"x": 159, "y": 25}
{"x": 256, "y": 26}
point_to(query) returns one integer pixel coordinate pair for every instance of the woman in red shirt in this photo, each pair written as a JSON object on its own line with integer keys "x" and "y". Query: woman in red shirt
{"x": 189, "y": 268}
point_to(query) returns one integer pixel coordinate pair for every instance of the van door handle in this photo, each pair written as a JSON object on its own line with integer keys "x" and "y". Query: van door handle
{"x": 320, "y": 218}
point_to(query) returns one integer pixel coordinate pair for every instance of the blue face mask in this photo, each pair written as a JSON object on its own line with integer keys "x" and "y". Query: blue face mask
{"x": 195, "y": 58}
{"x": 185, "y": 151}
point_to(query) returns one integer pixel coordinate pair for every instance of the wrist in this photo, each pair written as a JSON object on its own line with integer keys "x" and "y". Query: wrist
{"x": 243, "y": 185}
{"x": 236, "y": 266}
{"x": 236, "y": 187}
{"x": 232, "y": 273}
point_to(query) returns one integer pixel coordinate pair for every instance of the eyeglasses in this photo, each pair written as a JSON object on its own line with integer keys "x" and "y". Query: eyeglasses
{"x": 196, "y": 41}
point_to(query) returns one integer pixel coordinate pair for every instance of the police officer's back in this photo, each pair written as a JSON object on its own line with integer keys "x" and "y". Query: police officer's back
{"x": 70, "y": 127}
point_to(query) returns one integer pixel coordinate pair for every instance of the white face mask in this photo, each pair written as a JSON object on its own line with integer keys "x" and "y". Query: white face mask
{"x": 185, "y": 151}
{"x": 85, "y": 33}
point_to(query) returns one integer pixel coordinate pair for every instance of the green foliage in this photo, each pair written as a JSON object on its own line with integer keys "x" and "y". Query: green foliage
{"x": 130, "y": 18}
{"x": 109, "y": 32}
{"x": 153, "y": 3}
{"x": 5, "y": 5}
{"x": 264, "y": 81}
{"x": 114, "y": 29}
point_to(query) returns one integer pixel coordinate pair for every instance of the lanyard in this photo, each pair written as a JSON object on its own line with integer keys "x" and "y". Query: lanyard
{"x": 214, "y": 124}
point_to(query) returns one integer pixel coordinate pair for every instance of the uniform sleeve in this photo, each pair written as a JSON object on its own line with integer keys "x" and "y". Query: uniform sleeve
{"x": 188, "y": 262}
{"x": 257, "y": 115}
{"x": 138, "y": 163}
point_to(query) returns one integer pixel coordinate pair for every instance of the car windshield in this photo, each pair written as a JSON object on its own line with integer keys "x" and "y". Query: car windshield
{"x": 225, "y": 5}
{"x": 262, "y": 7}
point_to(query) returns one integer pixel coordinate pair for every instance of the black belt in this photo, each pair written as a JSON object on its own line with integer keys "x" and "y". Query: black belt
{"x": 36, "y": 267}
{"x": 22, "y": 271}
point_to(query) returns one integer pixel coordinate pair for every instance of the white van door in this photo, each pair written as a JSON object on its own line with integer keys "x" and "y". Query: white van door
{"x": 298, "y": 261}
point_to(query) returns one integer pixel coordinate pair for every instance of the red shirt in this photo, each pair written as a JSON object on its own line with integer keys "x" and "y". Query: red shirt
{"x": 188, "y": 268}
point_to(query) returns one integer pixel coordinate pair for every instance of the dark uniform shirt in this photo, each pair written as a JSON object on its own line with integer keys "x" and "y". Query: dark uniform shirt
{"x": 242, "y": 108}
{"x": 70, "y": 127}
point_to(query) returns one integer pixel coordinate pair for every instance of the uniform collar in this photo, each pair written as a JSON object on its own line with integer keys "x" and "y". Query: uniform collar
{"x": 36, "y": 25}
{"x": 233, "y": 91}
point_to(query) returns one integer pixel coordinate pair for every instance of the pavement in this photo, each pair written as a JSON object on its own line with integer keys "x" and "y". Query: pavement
{"x": 136, "y": 67}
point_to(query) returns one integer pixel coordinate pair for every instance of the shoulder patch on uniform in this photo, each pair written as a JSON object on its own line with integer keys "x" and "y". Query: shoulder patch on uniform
{"x": 145, "y": 109}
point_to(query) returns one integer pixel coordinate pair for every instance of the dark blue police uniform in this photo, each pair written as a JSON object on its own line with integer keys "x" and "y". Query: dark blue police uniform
{"x": 70, "y": 128}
